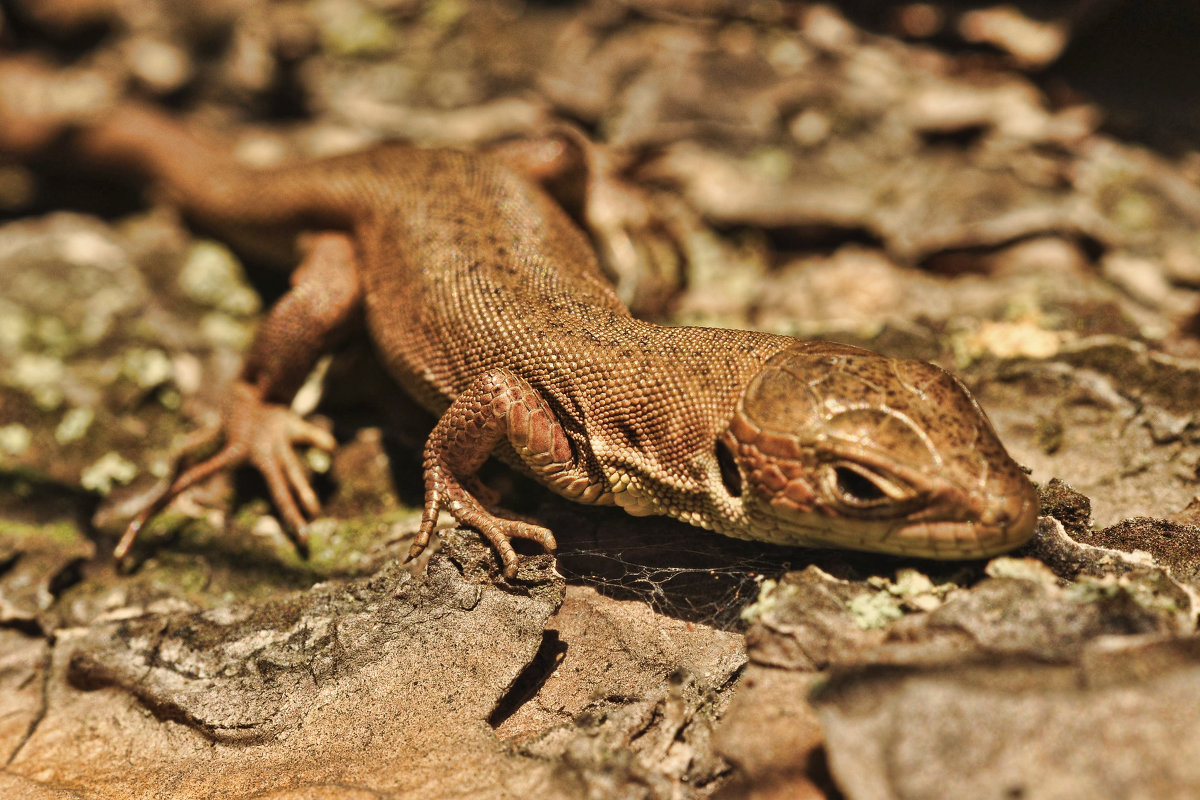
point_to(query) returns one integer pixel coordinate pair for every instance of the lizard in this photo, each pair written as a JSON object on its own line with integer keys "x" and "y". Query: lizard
{"x": 486, "y": 302}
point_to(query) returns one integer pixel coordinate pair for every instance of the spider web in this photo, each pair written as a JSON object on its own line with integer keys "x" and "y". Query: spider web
{"x": 677, "y": 570}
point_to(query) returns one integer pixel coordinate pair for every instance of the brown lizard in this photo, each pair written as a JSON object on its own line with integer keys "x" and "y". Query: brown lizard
{"x": 485, "y": 301}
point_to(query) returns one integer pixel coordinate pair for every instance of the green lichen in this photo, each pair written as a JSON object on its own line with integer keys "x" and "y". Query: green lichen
{"x": 771, "y": 595}
{"x": 99, "y": 318}
{"x": 1129, "y": 201}
{"x": 339, "y": 546}
{"x": 109, "y": 470}
{"x": 875, "y": 609}
{"x": 724, "y": 268}
{"x": 914, "y": 589}
{"x": 1135, "y": 211}
{"x": 74, "y": 425}
{"x": 318, "y": 460}
{"x": 445, "y": 14}
{"x": 14, "y": 327}
{"x": 147, "y": 367}
{"x": 14, "y": 439}
{"x": 1151, "y": 590}
{"x": 60, "y": 533}
{"x": 212, "y": 276}
{"x": 353, "y": 29}
{"x": 224, "y": 331}
{"x": 773, "y": 163}
{"x": 891, "y": 599}
{"x": 1024, "y": 569}
{"x": 170, "y": 399}
{"x": 52, "y": 335}
{"x": 41, "y": 376}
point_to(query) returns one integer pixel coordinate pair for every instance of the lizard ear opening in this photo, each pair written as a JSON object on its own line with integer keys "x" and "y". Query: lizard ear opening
{"x": 731, "y": 476}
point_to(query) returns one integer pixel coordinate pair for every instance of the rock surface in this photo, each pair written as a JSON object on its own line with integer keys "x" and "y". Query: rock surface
{"x": 773, "y": 166}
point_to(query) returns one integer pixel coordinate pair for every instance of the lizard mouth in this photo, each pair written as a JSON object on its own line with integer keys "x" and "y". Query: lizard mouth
{"x": 851, "y": 508}
{"x": 958, "y": 540}
{"x": 942, "y": 540}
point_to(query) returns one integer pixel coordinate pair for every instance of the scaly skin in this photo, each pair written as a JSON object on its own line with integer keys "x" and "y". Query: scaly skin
{"x": 487, "y": 304}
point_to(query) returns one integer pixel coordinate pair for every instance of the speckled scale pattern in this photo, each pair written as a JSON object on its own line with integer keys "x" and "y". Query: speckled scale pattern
{"x": 466, "y": 267}
{"x": 486, "y": 302}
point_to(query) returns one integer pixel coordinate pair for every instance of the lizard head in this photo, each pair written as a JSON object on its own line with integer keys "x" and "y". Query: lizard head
{"x": 833, "y": 445}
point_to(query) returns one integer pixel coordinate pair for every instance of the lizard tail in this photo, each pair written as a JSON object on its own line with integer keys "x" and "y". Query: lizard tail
{"x": 201, "y": 177}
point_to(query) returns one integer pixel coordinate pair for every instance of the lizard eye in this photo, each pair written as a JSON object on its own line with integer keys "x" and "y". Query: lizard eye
{"x": 731, "y": 476}
{"x": 857, "y": 488}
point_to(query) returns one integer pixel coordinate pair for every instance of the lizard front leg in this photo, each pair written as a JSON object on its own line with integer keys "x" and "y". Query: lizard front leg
{"x": 258, "y": 424}
{"x": 498, "y": 405}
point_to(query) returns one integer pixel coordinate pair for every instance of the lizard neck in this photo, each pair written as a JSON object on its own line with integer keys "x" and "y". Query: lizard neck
{"x": 652, "y": 428}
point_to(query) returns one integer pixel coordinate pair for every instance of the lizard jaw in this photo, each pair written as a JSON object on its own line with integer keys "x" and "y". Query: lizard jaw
{"x": 936, "y": 539}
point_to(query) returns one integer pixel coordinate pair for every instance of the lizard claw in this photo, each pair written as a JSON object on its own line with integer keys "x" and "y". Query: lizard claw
{"x": 257, "y": 433}
{"x": 443, "y": 490}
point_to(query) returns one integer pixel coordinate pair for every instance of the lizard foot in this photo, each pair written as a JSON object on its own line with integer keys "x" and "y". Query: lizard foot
{"x": 442, "y": 490}
{"x": 257, "y": 433}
